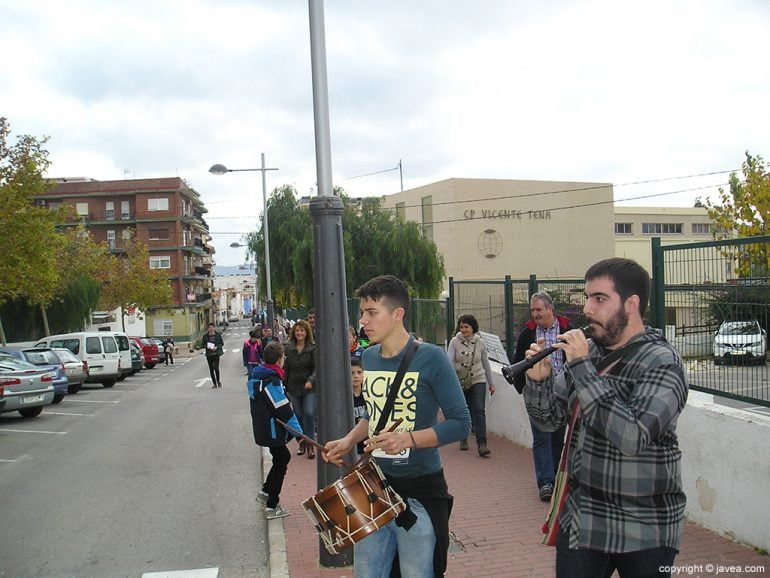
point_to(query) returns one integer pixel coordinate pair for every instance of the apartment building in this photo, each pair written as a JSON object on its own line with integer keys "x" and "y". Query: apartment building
{"x": 166, "y": 215}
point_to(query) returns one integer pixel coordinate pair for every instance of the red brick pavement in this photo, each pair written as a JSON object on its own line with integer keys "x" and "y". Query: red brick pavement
{"x": 496, "y": 522}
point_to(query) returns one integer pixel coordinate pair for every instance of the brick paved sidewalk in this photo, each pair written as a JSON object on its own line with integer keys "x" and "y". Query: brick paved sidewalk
{"x": 495, "y": 522}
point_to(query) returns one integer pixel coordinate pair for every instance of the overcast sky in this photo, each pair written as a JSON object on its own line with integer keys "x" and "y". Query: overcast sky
{"x": 607, "y": 90}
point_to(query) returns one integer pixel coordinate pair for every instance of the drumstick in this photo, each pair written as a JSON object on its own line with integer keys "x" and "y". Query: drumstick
{"x": 369, "y": 455}
{"x": 310, "y": 441}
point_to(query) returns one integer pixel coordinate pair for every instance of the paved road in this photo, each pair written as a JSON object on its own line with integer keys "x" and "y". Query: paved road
{"x": 157, "y": 474}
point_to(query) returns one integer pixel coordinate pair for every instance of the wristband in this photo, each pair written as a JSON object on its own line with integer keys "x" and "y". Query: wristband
{"x": 414, "y": 443}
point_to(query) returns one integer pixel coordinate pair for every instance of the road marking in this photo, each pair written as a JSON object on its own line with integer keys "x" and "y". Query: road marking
{"x": 201, "y": 382}
{"x": 7, "y": 461}
{"x": 91, "y": 401}
{"x": 236, "y": 350}
{"x": 58, "y": 433}
{"x": 66, "y": 413}
{"x": 197, "y": 573}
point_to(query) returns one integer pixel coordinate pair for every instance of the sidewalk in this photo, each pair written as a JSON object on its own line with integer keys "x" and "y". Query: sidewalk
{"x": 495, "y": 523}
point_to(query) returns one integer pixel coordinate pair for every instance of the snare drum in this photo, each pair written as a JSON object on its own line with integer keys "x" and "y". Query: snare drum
{"x": 356, "y": 505}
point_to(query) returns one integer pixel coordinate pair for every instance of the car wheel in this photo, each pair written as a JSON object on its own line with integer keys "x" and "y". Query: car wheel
{"x": 717, "y": 361}
{"x": 57, "y": 398}
{"x": 108, "y": 383}
{"x": 74, "y": 388}
{"x": 149, "y": 365}
{"x": 122, "y": 376}
{"x": 31, "y": 411}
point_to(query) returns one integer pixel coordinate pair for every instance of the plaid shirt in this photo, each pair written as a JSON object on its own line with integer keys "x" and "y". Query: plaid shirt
{"x": 625, "y": 488}
{"x": 550, "y": 335}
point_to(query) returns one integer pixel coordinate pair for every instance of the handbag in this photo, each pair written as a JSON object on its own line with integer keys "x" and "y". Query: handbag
{"x": 561, "y": 482}
{"x": 465, "y": 373}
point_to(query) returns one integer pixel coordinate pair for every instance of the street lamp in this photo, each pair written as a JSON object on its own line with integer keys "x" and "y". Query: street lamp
{"x": 221, "y": 170}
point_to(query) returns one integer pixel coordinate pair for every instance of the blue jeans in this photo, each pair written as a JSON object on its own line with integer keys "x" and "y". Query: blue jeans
{"x": 546, "y": 452}
{"x": 373, "y": 556}
{"x": 304, "y": 409}
{"x": 476, "y": 398}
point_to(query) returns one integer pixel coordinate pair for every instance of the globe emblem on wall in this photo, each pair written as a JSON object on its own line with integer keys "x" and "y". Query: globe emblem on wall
{"x": 490, "y": 243}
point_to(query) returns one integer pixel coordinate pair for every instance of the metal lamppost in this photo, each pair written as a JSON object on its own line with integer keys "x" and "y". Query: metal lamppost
{"x": 221, "y": 170}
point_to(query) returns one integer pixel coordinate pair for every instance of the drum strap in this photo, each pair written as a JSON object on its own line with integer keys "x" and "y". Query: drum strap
{"x": 395, "y": 385}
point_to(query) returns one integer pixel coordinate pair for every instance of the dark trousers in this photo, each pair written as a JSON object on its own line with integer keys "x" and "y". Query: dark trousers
{"x": 170, "y": 357}
{"x": 476, "y": 399}
{"x": 586, "y": 563}
{"x": 274, "y": 482}
{"x": 213, "y": 361}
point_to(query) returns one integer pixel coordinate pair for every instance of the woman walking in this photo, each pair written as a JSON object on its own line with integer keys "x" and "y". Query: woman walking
{"x": 299, "y": 374}
{"x": 469, "y": 356}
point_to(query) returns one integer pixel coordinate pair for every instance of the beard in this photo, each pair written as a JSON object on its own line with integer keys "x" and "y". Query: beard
{"x": 613, "y": 329}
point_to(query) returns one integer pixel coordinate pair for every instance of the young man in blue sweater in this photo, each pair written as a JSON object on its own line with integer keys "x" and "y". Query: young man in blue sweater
{"x": 268, "y": 401}
{"x": 408, "y": 456}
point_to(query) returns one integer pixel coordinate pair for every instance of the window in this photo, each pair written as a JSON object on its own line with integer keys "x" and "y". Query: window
{"x": 126, "y": 234}
{"x": 701, "y": 229}
{"x": 53, "y": 207}
{"x": 157, "y": 204}
{"x": 160, "y": 262}
{"x": 158, "y": 234}
{"x": 163, "y": 327}
{"x": 662, "y": 228}
{"x": 109, "y": 210}
{"x": 111, "y": 239}
{"x": 125, "y": 210}
{"x": 401, "y": 211}
{"x": 93, "y": 345}
{"x": 109, "y": 344}
{"x": 624, "y": 229}
{"x": 427, "y": 217}
{"x": 81, "y": 209}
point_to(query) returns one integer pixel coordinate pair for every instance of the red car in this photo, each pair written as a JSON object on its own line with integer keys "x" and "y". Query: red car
{"x": 149, "y": 350}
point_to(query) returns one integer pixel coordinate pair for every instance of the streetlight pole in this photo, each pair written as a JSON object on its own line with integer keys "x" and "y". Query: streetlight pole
{"x": 219, "y": 169}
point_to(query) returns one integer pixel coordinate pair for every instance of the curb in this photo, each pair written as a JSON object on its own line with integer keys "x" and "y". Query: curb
{"x": 277, "y": 560}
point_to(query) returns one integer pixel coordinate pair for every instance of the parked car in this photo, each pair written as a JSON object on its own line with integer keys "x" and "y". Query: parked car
{"x": 124, "y": 352}
{"x": 161, "y": 349}
{"x": 76, "y": 369}
{"x": 46, "y": 359}
{"x": 149, "y": 350}
{"x": 26, "y": 387}
{"x": 98, "y": 349}
{"x": 741, "y": 341}
{"x": 137, "y": 358}
{"x": 2, "y": 398}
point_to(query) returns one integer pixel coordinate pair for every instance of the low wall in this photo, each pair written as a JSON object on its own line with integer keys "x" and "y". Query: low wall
{"x": 725, "y": 463}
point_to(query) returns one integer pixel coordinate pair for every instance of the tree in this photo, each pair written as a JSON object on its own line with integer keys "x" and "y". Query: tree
{"x": 127, "y": 281}
{"x": 375, "y": 243}
{"x": 744, "y": 210}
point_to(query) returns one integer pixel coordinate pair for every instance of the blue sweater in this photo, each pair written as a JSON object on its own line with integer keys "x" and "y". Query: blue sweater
{"x": 430, "y": 384}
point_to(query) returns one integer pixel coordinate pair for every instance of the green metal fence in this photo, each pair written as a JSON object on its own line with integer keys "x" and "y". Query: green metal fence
{"x": 699, "y": 286}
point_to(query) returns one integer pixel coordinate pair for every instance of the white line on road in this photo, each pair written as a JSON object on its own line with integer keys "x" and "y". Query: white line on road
{"x": 7, "y": 461}
{"x": 201, "y": 382}
{"x": 67, "y": 413}
{"x": 92, "y": 401}
{"x": 58, "y": 433}
{"x": 197, "y": 573}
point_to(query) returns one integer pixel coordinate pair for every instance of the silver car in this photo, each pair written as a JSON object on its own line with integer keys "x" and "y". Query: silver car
{"x": 75, "y": 369}
{"x": 26, "y": 388}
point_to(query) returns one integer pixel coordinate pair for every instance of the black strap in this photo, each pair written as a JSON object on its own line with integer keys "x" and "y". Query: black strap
{"x": 395, "y": 385}
{"x": 614, "y": 356}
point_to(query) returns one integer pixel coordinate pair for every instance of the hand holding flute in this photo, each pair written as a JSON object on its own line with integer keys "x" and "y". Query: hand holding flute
{"x": 574, "y": 343}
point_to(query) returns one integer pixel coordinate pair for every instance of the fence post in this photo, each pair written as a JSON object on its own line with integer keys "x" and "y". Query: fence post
{"x": 412, "y": 318}
{"x": 657, "y": 295}
{"x": 450, "y": 311}
{"x": 509, "y": 335}
{"x": 532, "y": 289}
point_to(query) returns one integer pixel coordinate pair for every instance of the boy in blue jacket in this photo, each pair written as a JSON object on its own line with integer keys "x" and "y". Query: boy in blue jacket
{"x": 268, "y": 401}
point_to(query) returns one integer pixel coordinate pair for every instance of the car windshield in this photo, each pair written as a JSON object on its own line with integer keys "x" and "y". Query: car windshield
{"x": 66, "y": 355}
{"x": 8, "y": 363}
{"x": 41, "y": 357}
{"x": 739, "y": 328}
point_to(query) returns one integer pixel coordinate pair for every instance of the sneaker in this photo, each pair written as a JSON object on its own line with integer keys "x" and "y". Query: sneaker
{"x": 277, "y": 512}
{"x": 484, "y": 451}
{"x": 464, "y": 445}
{"x": 546, "y": 490}
{"x": 262, "y": 497}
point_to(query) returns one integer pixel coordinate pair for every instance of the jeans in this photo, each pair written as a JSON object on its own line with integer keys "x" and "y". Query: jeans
{"x": 546, "y": 452}
{"x": 373, "y": 556}
{"x": 476, "y": 398}
{"x": 274, "y": 481}
{"x": 304, "y": 409}
{"x": 587, "y": 563}
{"x": 213, "y": 361}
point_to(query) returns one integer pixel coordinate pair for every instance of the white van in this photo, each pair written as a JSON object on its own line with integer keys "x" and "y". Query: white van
{"x": 98, "y": 349}
{"x": 124, "y": 350}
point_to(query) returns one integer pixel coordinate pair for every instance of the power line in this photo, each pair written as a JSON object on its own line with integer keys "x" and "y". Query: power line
{"x": 370, "y": 174}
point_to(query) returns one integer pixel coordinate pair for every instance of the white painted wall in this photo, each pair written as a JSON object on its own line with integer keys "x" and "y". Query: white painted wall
{"x": 725, "y": 460}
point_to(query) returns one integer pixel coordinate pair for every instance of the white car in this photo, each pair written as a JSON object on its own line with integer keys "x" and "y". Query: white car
{"x": 741, "y": 341}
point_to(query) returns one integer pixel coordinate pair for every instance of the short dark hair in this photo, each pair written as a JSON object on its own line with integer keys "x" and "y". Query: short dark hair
{"x": 212, "y": 325}
{"x": 628, "y": 277}
{"x": 356, "y": 362}
{"x": 468, "y": 319}
{"x": 389, "y": 288}
{"x": 253, "y": 334}
{"x": 273, "y": 352}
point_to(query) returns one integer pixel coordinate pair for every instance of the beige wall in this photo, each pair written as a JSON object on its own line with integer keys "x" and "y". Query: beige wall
{"x": 489, "y": 228}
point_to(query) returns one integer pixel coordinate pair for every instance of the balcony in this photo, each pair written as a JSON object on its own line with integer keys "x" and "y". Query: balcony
{"x": 202, "y": 271}
{"x": 201, "y": 297}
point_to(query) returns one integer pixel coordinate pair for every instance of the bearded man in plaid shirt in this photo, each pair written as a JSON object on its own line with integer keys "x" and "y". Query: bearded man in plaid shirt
{"x": 625, "y": 504}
